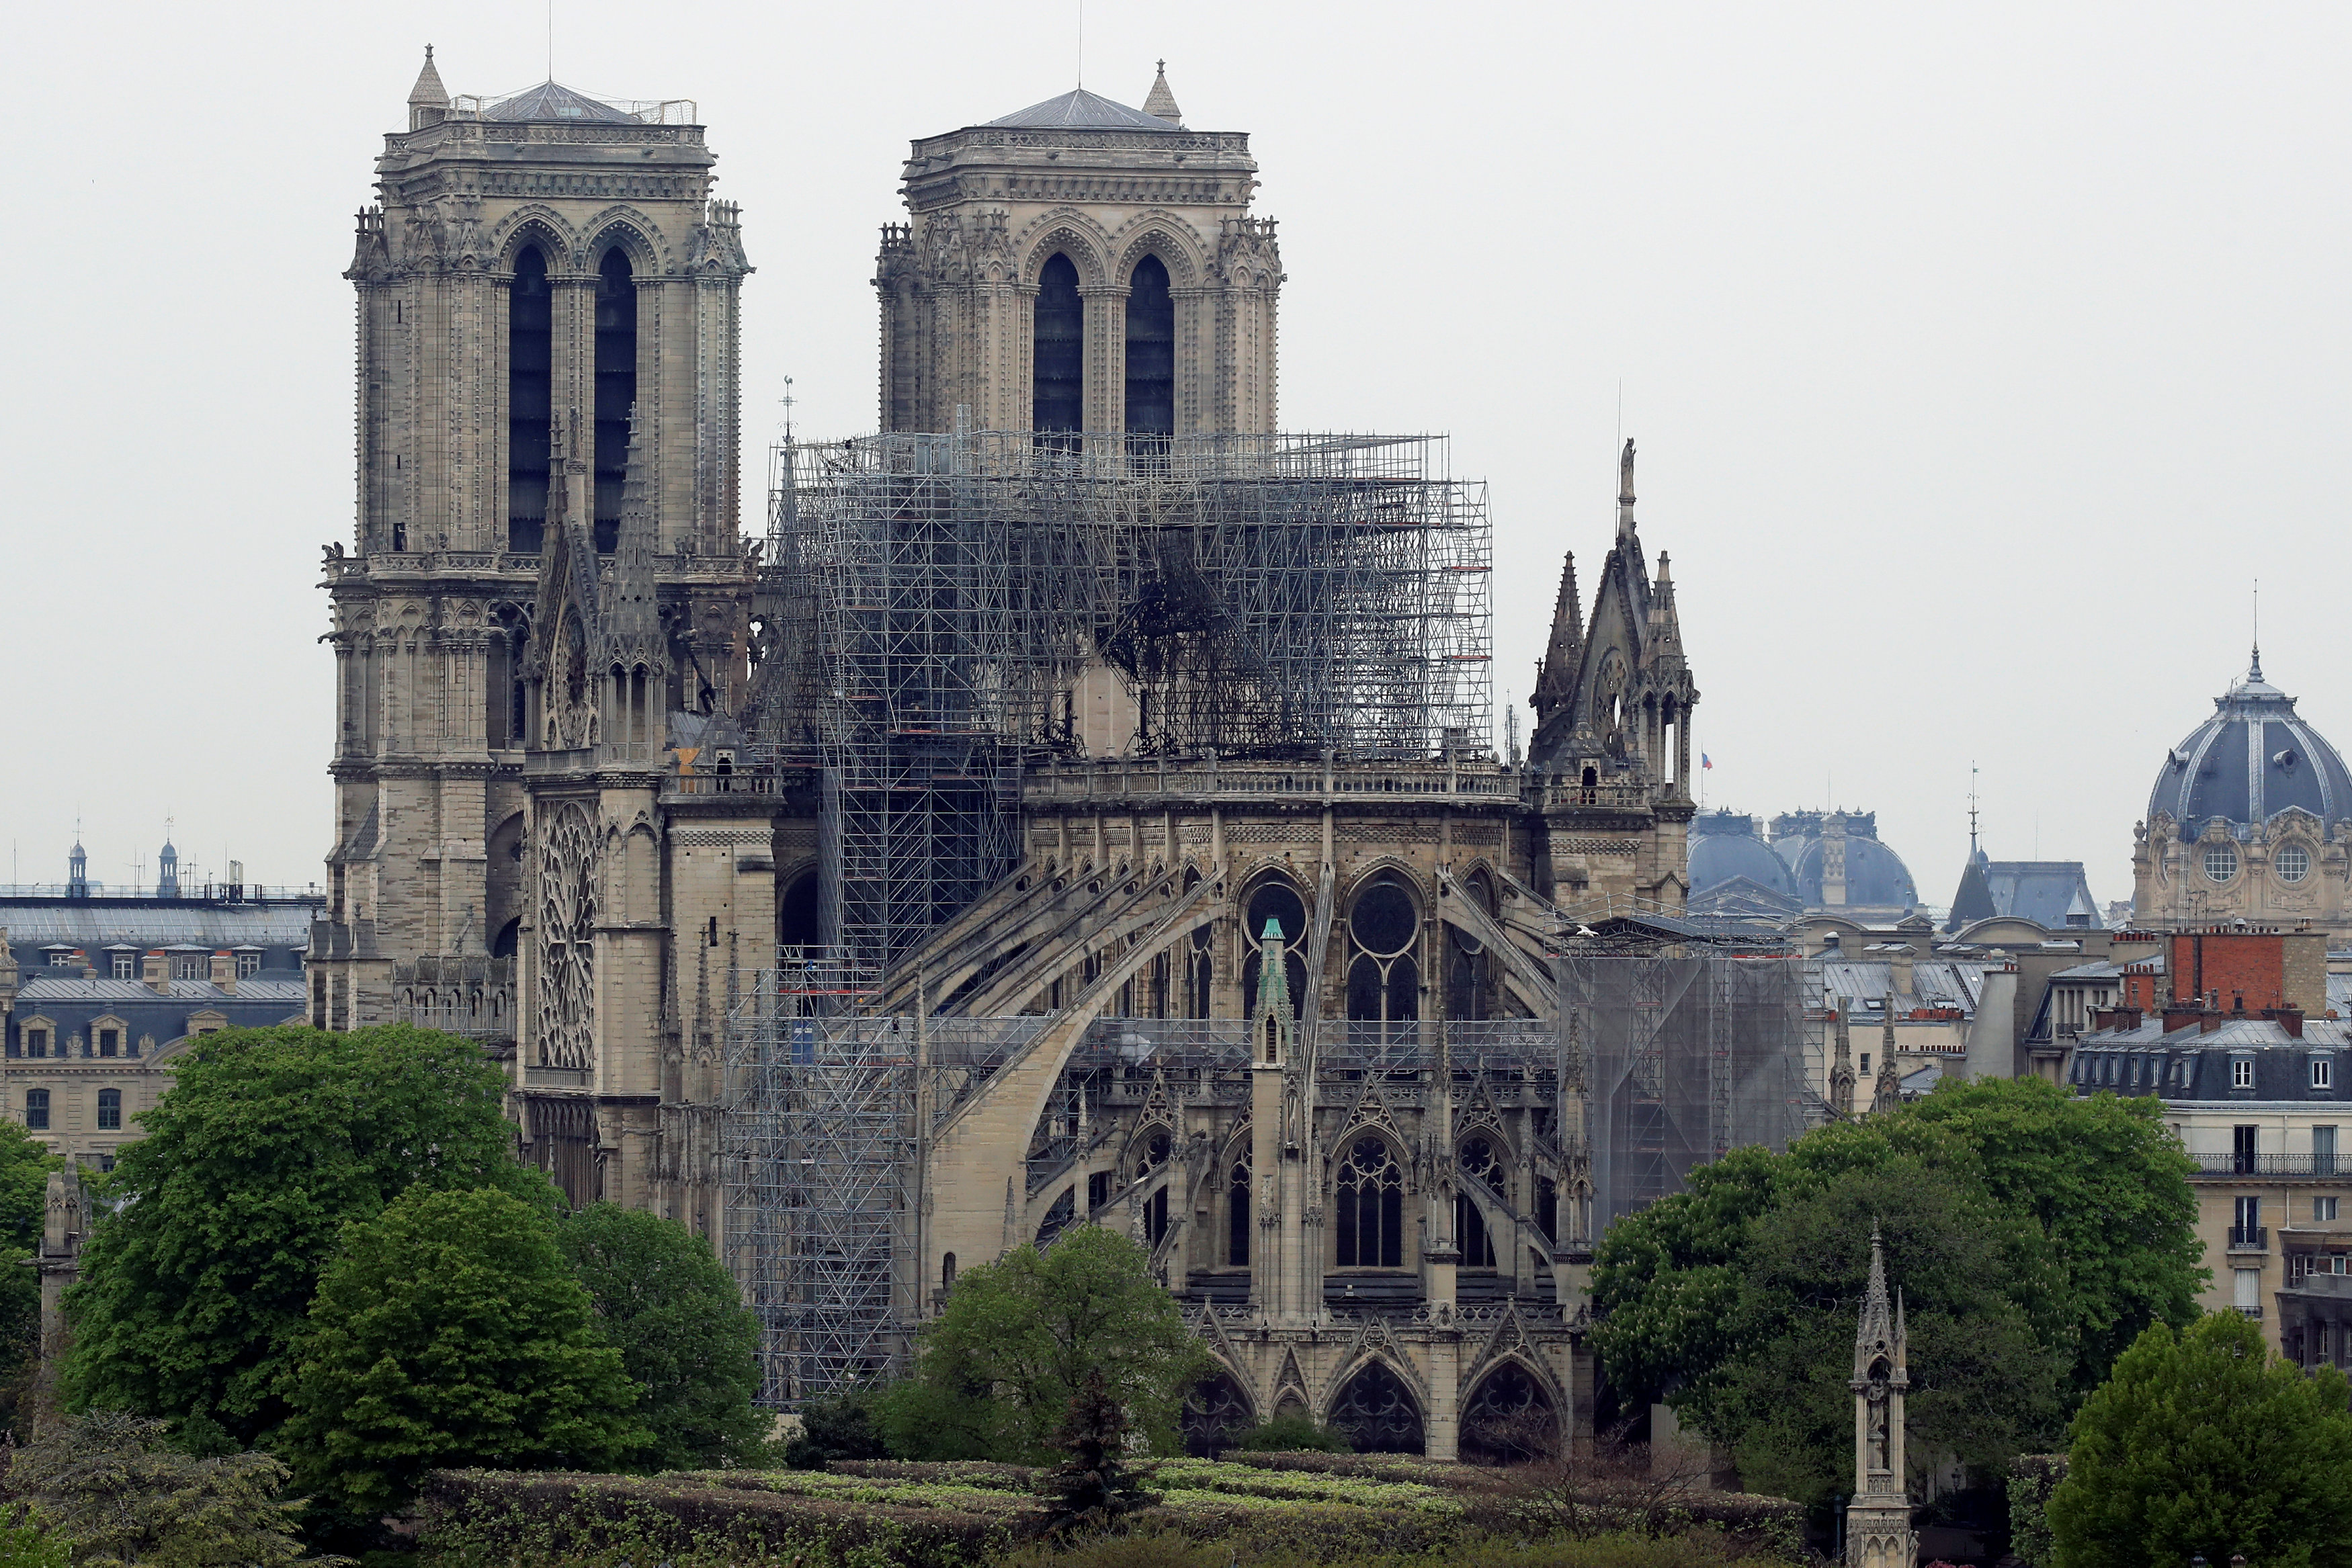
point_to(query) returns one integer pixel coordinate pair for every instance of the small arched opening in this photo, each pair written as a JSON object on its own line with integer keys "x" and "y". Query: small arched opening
{"x": 1509, "y": 1418}
{"x": 1216, "y": 1411}
{"x": 1378, "y": 1413}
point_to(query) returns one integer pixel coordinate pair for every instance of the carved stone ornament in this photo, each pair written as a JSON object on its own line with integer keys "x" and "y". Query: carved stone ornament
{"x": 567, "y": 936}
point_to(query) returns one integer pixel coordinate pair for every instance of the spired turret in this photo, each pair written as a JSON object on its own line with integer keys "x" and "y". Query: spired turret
{"x": 1878, "y": 1533}
{"x": 1611, "y": 752}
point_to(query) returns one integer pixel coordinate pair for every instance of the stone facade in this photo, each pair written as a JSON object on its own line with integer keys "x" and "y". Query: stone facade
{"x": 1110, "y": 189}
{"x": 547, "y": 339}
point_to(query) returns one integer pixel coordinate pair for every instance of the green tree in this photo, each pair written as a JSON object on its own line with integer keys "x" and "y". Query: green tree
{"x": 112, "y": 1485}
{"x": 1735, "y": 1301}
{"x": 997, "y": 1369}
{"x": 2108, "y": 1184}
{"x": 449, "y": 1332}
{"x": 2203, "y": 1443}
{"x": 685, "y": 1338}
{"x": 198, "y": 1275}
{"x": 1983, "y": 1384}
{"x": 25, "y": 1165}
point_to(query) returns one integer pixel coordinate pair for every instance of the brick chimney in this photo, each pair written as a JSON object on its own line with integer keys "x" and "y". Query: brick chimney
{"x": 2287, "y": 1019}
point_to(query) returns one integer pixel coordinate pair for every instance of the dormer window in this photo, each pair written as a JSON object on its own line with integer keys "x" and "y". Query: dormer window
{"x": 2241, "y": 1073}
{"x": 2323, "y": 1072}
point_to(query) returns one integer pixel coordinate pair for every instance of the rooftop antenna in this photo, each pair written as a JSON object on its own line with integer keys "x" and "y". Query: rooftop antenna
{"x": 788, "y": 411}
{"x": 1972, "y": 811}
{"x": 551, "y": 40}
{"x": 1082, "y": 45}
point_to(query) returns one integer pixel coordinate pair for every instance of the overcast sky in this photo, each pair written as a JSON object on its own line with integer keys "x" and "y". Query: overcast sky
{"x": 1981, "y": 355}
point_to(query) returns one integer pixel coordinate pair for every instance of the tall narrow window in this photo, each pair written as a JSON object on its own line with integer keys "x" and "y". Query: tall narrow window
{"x": 1237, "y": 1215}
{"x": 617, "y": 388}
{"x": 1060, "y": 350}
{"x": 37, "y": 1110}
{"x": 1150, "y": 352}
{"x": 1370, "y": 1203}
{"x": 109, "y": 1110}
{"x": 530, "y": 335}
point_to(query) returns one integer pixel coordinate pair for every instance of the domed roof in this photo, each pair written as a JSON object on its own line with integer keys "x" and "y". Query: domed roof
{"x": 1726, "y": 844}
{"x": 1875, "y": 875}
{"x": 2252, "y": 759}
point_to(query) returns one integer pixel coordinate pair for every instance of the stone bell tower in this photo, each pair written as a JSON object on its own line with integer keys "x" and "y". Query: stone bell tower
{"x": 542, "y": 263}
{"x": 1878, "y": 1533}
{"x": 1080, "y": 265}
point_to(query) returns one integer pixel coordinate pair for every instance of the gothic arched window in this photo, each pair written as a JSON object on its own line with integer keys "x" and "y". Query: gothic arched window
{"x": 617, "y": 388}
{"x": 1151, "y": 352}
{"x": 1060, "y": 350}
{"x": 530, "y": 336}
{"x": 1383, "y": 980}
{"x": 1371, "y": 1193}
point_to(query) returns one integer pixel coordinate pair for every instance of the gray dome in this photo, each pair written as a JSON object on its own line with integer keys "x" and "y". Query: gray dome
{"x": 2252, "y": 759}
{"x": 1874, "y": 874}
{"x": 1725, "y": 844}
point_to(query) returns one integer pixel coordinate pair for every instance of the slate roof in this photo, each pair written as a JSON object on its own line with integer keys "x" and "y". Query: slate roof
{"x": 2252, "y": 759}
{"x": 1079, "y": 110}
{"x": 2191, "y": 1065}
{"x": 1861, "y": 985}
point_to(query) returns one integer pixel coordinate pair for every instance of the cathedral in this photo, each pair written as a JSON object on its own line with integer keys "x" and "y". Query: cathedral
{"x": 1075, "y": 804}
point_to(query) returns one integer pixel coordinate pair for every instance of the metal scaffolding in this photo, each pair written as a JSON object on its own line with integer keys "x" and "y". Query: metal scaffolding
{"x": 940, "y": 611}
{"x": 1686, "y": 1055}
{"x": 817, "y": 1143}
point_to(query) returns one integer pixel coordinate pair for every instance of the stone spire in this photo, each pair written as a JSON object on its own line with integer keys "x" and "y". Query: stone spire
{"x": 1556, "y": 676}
{"x": 633, "y": 625}
{"x": 428, "y": 101}
{"x": 1270, "y": 1024}
{"x": 1878, "y": 1520}
{"x": 1625, "y": 492}
{"x": 1162, "y": 103}
{"x": 1663, "y": 639}
{"x": 1886, "y": 1092}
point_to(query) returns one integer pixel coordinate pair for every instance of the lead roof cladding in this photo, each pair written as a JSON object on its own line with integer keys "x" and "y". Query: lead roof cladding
{"x": 2252, "y": 759}
{"x": 1725, "y": 844}
{"x": 1079, "y": 110}
{"x": 551, "y": 101}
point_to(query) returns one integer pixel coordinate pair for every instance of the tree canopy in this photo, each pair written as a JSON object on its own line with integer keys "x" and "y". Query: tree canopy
{"x": 685, "y": 1338}
{"x": 1736, "y": 1300}
{"x": 199, "y": 1274}
{"x": 2203, "y": 1443}
{"x": 112, "y": 1485}
{"x": 996, "y": 1369}
{"x": 449, "y": 1331}
{"x": 25, "y": 1165}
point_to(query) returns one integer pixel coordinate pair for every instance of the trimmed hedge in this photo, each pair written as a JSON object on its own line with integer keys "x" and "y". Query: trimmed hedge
{"x": 485, "y": 1518}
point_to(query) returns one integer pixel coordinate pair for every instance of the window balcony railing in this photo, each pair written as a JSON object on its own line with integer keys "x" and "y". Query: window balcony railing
{"x": 2249, "y": 1238}
{"x": 2226, "y": 1165}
